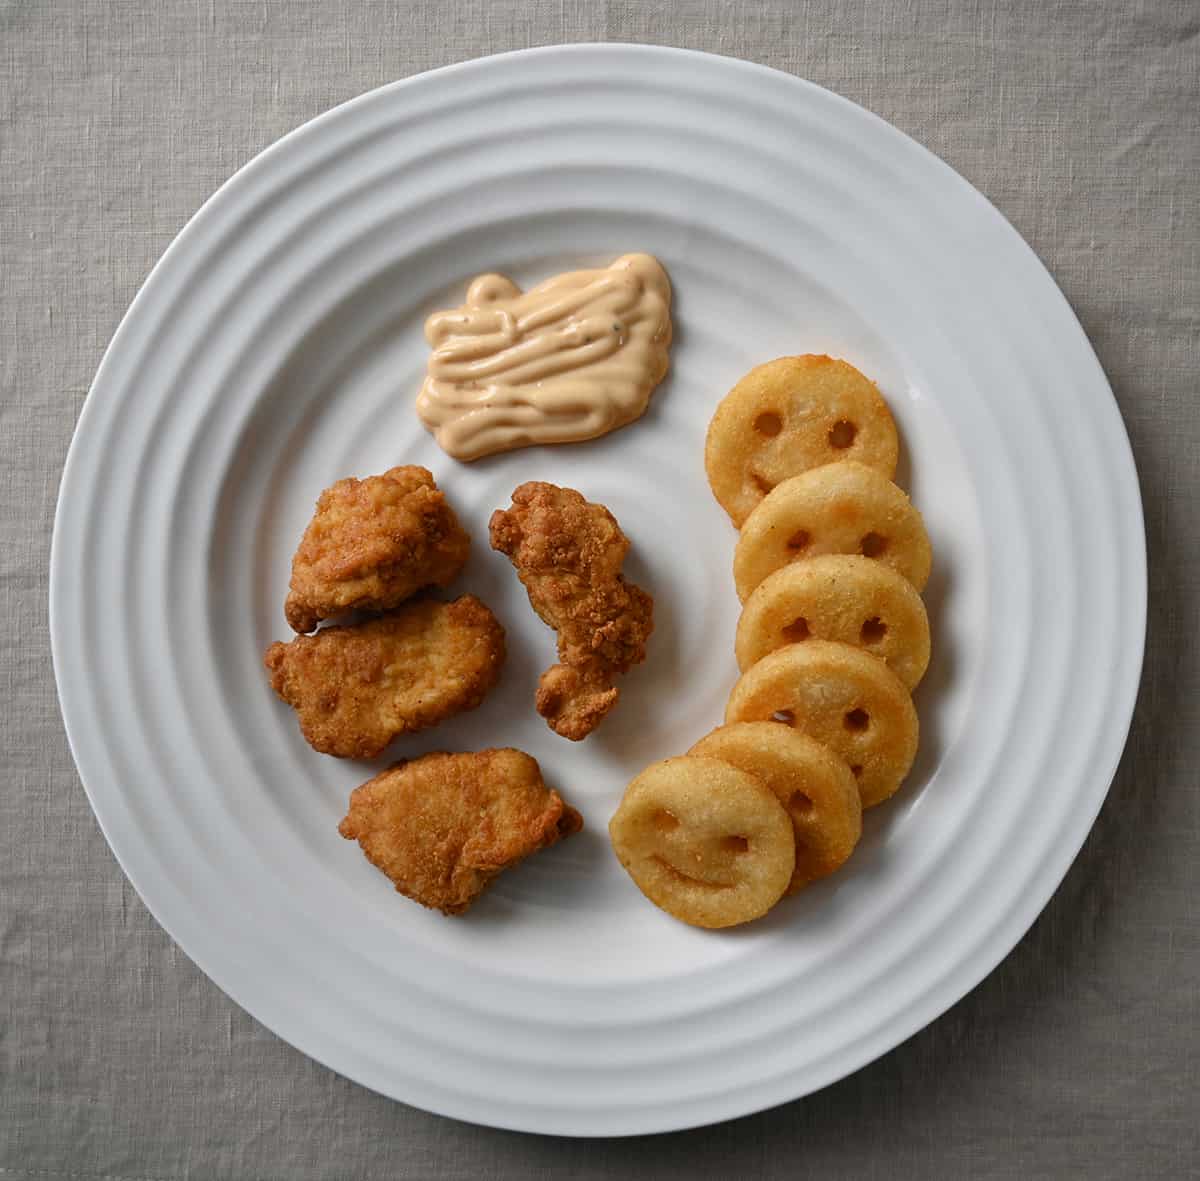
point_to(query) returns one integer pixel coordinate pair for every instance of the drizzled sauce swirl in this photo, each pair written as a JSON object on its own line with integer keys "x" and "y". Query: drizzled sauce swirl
{"x": 572, "y": 358}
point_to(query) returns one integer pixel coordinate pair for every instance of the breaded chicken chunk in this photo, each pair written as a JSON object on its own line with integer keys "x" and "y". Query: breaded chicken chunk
{"x": 373, "y": 543}
{"x": 568, "y": 553}
{"x": 444, "y": 825}
{"x": 357, "y": 687}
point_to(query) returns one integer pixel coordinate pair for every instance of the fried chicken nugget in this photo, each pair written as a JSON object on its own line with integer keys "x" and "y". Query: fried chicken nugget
{"x": 568, "y": 552}
{"x": 444, "y": 825}
{"x": 357, "y": 687}
{"x": 373, "y": 543}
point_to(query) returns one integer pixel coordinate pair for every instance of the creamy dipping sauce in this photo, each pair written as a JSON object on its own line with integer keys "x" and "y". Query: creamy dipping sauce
{"x": 572, "y": 358}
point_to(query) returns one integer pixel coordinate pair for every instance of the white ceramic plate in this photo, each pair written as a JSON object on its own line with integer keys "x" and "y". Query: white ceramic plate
{"x": 277, "y": 346}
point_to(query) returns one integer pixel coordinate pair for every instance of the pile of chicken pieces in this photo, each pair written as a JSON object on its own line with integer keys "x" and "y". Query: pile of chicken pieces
{"x": 391, "y": 659}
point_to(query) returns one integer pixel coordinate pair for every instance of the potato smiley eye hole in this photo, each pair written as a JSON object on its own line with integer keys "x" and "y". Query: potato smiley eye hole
{"x": 796, "y": 631}
{"x": 856, "y": 770}
{"x": 873, "y": 630}
{"x": 665, "y": 821}
{"x": 799, "y": 540}
{"x": 786, "y": 716}
{"x": 858, "y": 720}
{"x": 841, "y": 434}
{"x": 872, "y": 545}
{"x": 735, "y": 844}
{"x": 799, "y": 803}
{"x": 768, "y": 423}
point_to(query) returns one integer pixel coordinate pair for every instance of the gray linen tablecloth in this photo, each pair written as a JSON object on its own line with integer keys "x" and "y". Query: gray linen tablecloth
{"x": 1077, "y": 1058}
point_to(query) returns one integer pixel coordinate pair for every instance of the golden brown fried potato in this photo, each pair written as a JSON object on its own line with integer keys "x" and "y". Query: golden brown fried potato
{"x": 373, "y": 543}
{"x": 444, "y": 825}
{"x": 789, "y": 415}
{"x": 841, "y": 508}
{"x": 843, "y": 597}
{"x": 708, "y": 843}
{"x": 809, "y": 780}
{"x": 841, "y": 696}
{"x": 357, "y": 687}
{"x": 568, "y": 553}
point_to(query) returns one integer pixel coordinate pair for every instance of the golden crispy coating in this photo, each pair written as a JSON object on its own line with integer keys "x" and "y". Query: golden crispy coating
{"x": 841, "y": 508}
{"x": 357, "y": 687}
{"x": 704, "y": 841}
{"x": 373, "y": 543}
{"x": 841, "y": 696}
{"x": 568, "y": 553}
{"x": 843, "y": 597}
{"x": 444, "y": 825}
{"x": 789, "y": 415}
{"x": 809, "y": 780}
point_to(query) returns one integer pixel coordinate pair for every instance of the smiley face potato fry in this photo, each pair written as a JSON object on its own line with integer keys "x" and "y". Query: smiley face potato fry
{"x": 815, "y": 787}
{"x": 841, "y": 696}
{"x": 789, "y": 415}
{"x": 706, "y": 842}
{"x": 841, "y": 508}
{"x": 842, "y": 597}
